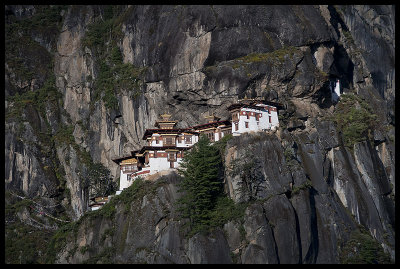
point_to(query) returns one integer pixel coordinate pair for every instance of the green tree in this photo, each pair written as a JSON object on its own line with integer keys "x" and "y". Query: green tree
{"x": 99, "y": 180}
{"x": 201, "y": 184}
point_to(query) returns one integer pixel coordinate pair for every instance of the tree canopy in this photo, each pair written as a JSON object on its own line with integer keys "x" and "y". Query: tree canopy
{"x": 99, "y": 180}
{"x": 201, "y": 184}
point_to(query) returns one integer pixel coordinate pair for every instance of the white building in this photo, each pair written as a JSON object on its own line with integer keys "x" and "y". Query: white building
{"x": 165, "y": 146}
{"x": 128, "y": 166}
{"x": 336, "y": 91}
{"x": 213, "y": 129}
{"x": 98, "y": 202}
{"x": 164, "y": 151}
{"x": 251, "y": 115}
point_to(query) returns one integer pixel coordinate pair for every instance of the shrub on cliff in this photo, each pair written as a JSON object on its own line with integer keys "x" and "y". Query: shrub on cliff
{"x": 201, "y": 184}
{"x": 354, "y": 118}
{"x": 113, "y": 75}
{"x": 363, "y": 249}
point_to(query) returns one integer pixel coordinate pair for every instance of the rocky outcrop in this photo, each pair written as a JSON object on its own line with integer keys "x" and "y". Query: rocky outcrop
{"x": 304, "y": 214}
{"x": 154, "y": 237}
{"x": 320, "y": 189}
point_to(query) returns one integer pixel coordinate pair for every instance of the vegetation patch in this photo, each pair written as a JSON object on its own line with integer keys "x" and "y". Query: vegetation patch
{"x": 113, "y": 75}
{"x": 104, "y": 257}
{"x": 25, "y": 38}
{"x": 306, "y": 185}
{"x": 275, "y": 57}
{"x": 201, "y": 184}
{"x": 20, "y": 44}
{"x": 355, "y": 119}
{"x": 203, "y": 202}
{"x": 221, "y": 145}
{"x": 25, "y": 244}
{"x": 247, "y": 167}
{"x": 226, "y": 210}
{"x": 361, "y": 248}
{"x": 290, "y": 158}
{"x": 58, "y": 241}
{"x": 39, "y": 98}
{"x": 70, "y": 230}
{"x": 111, "y": 80}
{"x": 107, "y": 233}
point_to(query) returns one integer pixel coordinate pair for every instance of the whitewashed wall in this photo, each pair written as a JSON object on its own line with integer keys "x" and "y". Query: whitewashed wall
{"x": 263, "y": 122}
{"x": 161, "y": 163}
{"x": 183, "y": 143}
{"x": 123, "y": 181}
{"x": 154, "y": 143}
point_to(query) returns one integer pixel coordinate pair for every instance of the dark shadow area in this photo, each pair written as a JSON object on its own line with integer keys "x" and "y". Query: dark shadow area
{"x": 312, "y": 253}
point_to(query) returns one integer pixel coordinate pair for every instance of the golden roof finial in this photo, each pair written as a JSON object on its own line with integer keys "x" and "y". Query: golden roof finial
{"x": 211, "y": 117}
{"x": 165, "y": 116}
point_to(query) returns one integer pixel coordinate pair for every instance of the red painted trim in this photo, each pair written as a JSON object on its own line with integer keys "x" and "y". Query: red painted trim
{"x": 141, "y": 173}
{"x": 211, "y": 124}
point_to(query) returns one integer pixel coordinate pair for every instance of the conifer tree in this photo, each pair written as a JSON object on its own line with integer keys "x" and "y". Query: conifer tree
{"x": 99, "y": 181}
{"x": 201, "y": 184}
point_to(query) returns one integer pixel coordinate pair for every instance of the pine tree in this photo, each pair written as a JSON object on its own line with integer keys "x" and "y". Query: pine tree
{"x": 201, "y": 184}
{"x": 99, "y": 181}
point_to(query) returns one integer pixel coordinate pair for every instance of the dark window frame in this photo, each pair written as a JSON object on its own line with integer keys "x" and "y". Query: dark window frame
{"x": 173, "y": 159}
{"x": 188, "y": 139}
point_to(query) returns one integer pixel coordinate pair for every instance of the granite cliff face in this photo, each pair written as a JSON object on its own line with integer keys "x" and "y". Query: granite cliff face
{"x": 312, "y": 183}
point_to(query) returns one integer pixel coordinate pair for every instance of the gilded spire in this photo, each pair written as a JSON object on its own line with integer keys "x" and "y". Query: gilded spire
{"x": 165, "y": 116}
{"x": 211, "y": 118}
{"x": 165, "y": 122}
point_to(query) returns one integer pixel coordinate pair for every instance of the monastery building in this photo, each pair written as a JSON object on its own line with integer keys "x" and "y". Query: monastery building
{"x": 166, "y": 145}
{"x": 252, "y": 115}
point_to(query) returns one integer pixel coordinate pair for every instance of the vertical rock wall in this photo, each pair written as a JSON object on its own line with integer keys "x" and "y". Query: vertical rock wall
{"x": 198, "y": 60}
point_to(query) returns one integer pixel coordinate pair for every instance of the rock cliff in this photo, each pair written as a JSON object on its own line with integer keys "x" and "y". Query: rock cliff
{"x": 83, "y": 83}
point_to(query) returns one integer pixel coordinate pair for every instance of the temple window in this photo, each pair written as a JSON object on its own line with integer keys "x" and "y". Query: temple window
{"x": 171, "y": 157}
{"x": 210, "y": 136}
{"x": 235, "y": 116}
{"x": 129, "y": 168}
{"x": 169, "y": 141}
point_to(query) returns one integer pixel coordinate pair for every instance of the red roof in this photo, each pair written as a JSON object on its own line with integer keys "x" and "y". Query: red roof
{"x": 212, "y": 124}
{"x": 149, "y": 132}
{"x": 253, "y": 105}
{"x": 118, "y": 160}
{"x": 144, "y": 148}
{"x": 96, "y": 204}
